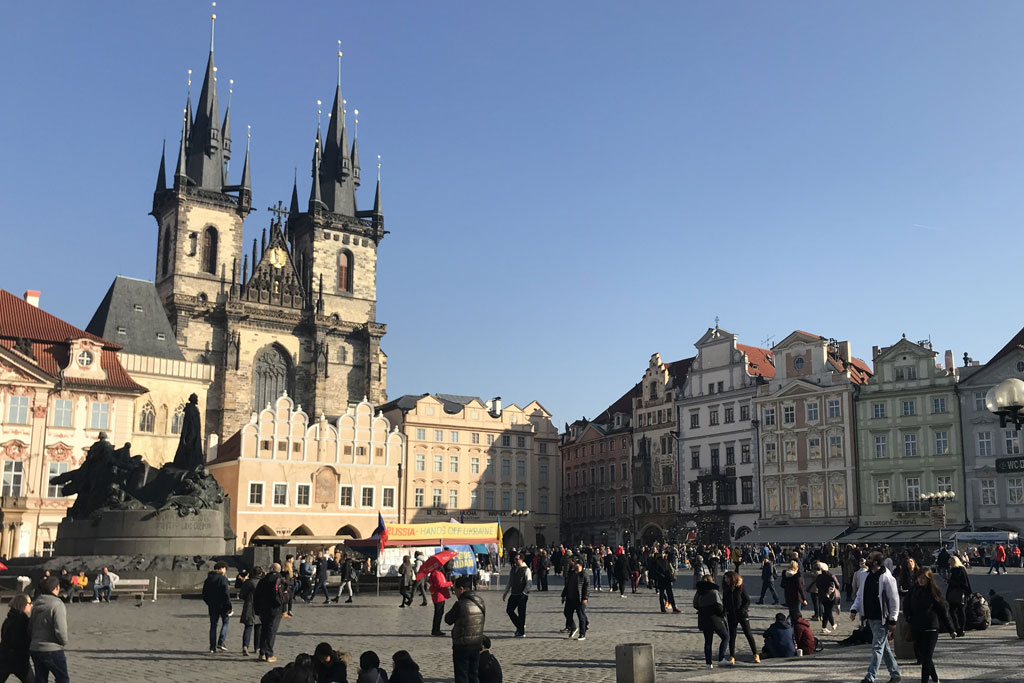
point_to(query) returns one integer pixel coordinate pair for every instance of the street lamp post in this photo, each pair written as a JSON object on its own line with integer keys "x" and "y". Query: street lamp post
{"x": 519, "y": 516}
{"x": 1006, "y": 400}
{"x": 938, "y": 499}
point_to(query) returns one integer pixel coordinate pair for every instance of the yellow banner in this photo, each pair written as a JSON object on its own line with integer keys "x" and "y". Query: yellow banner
{"x": 446, "y": 531}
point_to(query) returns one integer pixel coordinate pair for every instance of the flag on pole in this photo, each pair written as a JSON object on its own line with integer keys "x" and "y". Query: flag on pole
{"x": 501, "y": 551}
{"x": 381, "y": 531}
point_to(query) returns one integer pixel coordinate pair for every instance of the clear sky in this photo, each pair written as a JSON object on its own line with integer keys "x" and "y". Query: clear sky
{"x": 569, "y": 186}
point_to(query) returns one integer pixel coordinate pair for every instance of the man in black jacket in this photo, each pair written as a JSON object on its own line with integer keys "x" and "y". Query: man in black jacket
{"x": 519, "y": 586}
{"x": 768, "y": 576}
{"x": 217, "y": 596}
{"x": 574, "y": 596}
{"x": 268, "y": 601}
{"x": 466, "y": 618}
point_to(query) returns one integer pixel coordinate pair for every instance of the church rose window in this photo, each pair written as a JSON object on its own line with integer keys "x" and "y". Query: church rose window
{"x": 270, "y": 374}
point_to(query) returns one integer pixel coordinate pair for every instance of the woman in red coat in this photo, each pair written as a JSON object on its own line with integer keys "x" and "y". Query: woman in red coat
{"x": 440, "y": 590}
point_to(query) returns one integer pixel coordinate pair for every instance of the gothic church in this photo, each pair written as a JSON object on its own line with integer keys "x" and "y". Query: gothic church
{"x": 298, "y": 312}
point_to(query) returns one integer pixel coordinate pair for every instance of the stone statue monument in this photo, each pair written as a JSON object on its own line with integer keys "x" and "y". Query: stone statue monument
{"x": 123, "y": 505}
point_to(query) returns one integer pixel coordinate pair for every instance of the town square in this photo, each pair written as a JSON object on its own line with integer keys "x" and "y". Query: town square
{"x": 658, "y": 341}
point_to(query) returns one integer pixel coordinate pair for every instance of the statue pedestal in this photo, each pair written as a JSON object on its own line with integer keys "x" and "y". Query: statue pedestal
{"x": 145, "y": 532}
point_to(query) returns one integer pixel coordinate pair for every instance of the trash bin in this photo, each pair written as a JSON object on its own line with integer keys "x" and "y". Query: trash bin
{"x": 634, "y": 663}
{"x": 1018, "y": 617}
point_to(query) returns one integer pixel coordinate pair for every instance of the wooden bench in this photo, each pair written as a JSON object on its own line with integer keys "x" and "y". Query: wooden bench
{"x": 138, "y": 586}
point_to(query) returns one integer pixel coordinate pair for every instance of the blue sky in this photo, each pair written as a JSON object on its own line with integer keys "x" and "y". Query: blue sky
{"x": 569, "y": 186}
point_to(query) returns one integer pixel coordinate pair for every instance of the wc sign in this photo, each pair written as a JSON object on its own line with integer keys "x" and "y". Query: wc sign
{"x": 1009, "y": 465}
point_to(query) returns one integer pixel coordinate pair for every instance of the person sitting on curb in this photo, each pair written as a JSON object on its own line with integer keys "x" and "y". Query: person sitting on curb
{"x": 778, "y": 639}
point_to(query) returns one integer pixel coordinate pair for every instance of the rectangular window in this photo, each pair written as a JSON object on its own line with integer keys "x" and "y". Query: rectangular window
{"x": 256, "y": 493}
{"x": 543, "y": 502}
{"x": 62, "y": 411}
{"x": 489, "y": 500}
{"x": 712, "y": 417}
{"x": 100, "y": 416}
{"x": 879, "y": 410}
{"x": 769, "y": 416}
{"x": 771, "y": 495}
{"x": 543, "y": 472}
{"x": 788, "y": 415}
{"x": 346, "y": 496}
{"x": 453, "y": 437}
{"x": 418, "y": 497}
{"x": 747, "y": 491}
{"x": 521, "y": 500}
{"x": 745, "y": 454}
{"x": 812, "y": 412}
{"x": 835, "y": 446}
{"x": 792, "y": 498}
{"x": 833, "y": 409}
{"x": 453, "y": 462}
{"x": 938, "y": 405}
{"x": 910, "y": 445}
{"x": 789, "y": 450}
{"x": 475, "y": 437}
{"x": 694, "y": 458}
{"x": 421, "y": 434}
{"x": 474, "y": 465}
{"x": 388, "y": 496}
{"x": 814, "y": 448}
{"x": 438, "y": 435}
{"x": 729, "y": 415}
{"x": 521, "y": 469}
{"x": 625, "y": 470}
{"x": 666, "y": 475}
{"x": 421, "y": 462}
{"x": 988, "y": 491}
{"x": 490, "y": 439}
{"x": 744, "y": 413}
{"x": 909, "y": 408}
{"x": 55, "y": 469}
{"x": 17, "y": 412}
{"x": 941, "y": 443}
{"x": 984, "y": 444}
{"x": 439, "y": 463}
{"x": 506, "y": 467}
{"x": 770, "y": 454}
{"x": 520, "y": 442}
{"x": 730, "y": 456}
{"x": 473, "y": 499}
{"x": 302, "y": 492}
{"x": 453, "y": 499}
{"x": 882, "y": 494}
{"x": 979, "y": 400}
{"x": 913, "y": 489}
{"x": 1015, "y": 491}
{"x": 881, "y": 447}
{"x": 506, "y": 500}
{"x": 1012, "y": 442}
{"x": 694, "y": 420}
{"x": 438, "y": 498}
{"x": 280, "y": 494}
{"x": 490, "y": 466}
{"x": 506, "y": 440}
{"x": 944, "y": 483}
{"x": 544, "y": 447}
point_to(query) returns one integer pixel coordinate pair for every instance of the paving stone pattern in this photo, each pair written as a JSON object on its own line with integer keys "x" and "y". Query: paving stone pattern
{"x": 168, "y": 641}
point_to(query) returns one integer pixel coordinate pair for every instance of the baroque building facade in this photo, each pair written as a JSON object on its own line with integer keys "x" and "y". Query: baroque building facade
{"x": 596, "y": 476}
{"x": 807, "y": 457}
{"x": 908, "y": 437}
{"x": 472, "y": 460}
{"x": 718, "y": 445}
{"x": 299, "y": 317}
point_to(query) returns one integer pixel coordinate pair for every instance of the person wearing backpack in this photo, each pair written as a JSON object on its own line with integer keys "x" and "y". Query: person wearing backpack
{"x": 829, "y": 594}
{"x": 272, "y": 594}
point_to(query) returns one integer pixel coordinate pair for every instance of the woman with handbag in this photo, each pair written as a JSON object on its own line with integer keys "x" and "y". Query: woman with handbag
{"x": 956, "y": 594}
{"x": 927, "y": 613}
{"x": 829, "y": 596}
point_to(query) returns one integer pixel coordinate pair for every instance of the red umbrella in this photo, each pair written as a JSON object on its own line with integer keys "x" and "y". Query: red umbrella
{"x": 435, "y": 562}
{"x": 3, "y": 567}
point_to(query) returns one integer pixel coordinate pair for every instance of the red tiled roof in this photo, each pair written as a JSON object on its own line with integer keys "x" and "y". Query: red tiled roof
{"x": 1016, "y": 343}
{"x": 19, "y": 319}
{"x": 230, "y": 449}
{"x": 759, "y": 361}
{"x": 678, "y": 370}
{"x": 859, "y": 371}
{"x": 623, "y": 405}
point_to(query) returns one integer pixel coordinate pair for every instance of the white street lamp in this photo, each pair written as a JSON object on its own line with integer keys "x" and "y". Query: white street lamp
{"x": 1006, "y": 400}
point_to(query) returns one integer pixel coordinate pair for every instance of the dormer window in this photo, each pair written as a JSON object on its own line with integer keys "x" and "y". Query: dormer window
{"x": 85, "y": 359}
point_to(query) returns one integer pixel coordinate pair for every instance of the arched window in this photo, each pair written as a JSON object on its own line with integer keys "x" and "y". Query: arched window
{"x": 210, "y": 250}
{"x": 147, "y": 418}
{"x": 345, "y": 271}
{"x": 271, "y": 372}
{"x": 177, "y": 419}
{"x": 165, "y": 263}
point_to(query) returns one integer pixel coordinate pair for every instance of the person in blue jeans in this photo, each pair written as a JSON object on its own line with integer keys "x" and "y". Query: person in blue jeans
{"x": 217, "y": 596}
{"x": 595, "y": 567}
{"x": 878, "y": 601}
{"x": 48, "y": 624}
{"x": 102, "y": 586}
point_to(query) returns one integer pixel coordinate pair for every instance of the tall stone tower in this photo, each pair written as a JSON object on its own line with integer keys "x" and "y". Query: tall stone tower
{"x": 301, "y": 316}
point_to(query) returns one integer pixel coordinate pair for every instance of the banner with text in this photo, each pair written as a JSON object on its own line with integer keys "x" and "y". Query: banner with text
{"x": 441, "y": 531}
{"x": 391, "y": 559}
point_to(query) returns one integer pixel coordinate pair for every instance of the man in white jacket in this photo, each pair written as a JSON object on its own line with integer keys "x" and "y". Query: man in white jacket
{"x": 878, "y": 602}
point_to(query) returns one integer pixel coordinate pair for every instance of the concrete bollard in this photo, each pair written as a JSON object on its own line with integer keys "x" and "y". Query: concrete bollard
{"x": 634, "y": 663}
{"x": 1018, "y": 617}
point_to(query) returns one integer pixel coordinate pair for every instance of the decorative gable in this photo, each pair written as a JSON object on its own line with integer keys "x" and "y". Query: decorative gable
{"x": 275, "y": 279}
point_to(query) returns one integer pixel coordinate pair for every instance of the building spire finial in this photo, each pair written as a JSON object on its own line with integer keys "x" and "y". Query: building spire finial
{"x": 213, "y": 21}
{"x": 378, "y": 168}
{"x": 355, "y": 131}
{"x": 339, "y": 63}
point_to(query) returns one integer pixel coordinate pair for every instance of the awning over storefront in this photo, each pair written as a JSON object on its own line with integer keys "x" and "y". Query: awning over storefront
{"x": 299, "y": 539}
{"x": 897, "y": 535}
{"x": 793, "y": 535}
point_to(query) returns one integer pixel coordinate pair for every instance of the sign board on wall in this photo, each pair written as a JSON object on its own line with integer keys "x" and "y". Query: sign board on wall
{"x": 390, "y": 560}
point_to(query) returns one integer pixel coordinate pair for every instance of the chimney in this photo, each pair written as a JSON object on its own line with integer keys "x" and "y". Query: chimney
{"x": 32, "y": 297}
{"x": 949, "y": 360}
{"x": 875, "y": 350}
{"x": 844, "y": 351}
{"x": 495, "y": 406}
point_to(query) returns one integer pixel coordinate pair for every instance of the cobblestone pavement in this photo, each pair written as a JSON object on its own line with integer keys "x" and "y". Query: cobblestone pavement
{"x": 167, "y": 641}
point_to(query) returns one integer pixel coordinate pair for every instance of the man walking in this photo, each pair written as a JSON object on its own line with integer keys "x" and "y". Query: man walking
{"x": 466, "y": 617}
{"x": 768, "y": 576}
{"x": 878, "y": 601}
{"x": 519, "y": 586}
{"x": 48, "y": 624}
{"x": 998, "y": 560}
{"x": 574, "y": 597}
{"x": 406, "y": 577}
{"x": 217, "y": 596}
{"x": 421, "y": 584}
{"x": 269, "y": 601}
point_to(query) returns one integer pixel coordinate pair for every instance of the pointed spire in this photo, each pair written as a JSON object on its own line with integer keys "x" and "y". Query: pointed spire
{"x": 378, "y": 208}
{"x": 181, "y": 173}
{"x": 293, "y": 206}
{"x": 245, "y": 269}
{"x": 355, "y": 151}
{"x": 205, "y": 157}
{"x": 161, "y": 175}
{"x": 254, "y": 259}
{"x": 188, "y": 108}
{"x": 246, "y": 184}
{"x": 336, "y": 187}
{"x": 314, "y": 192}
{"x": 225, "y": 129}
